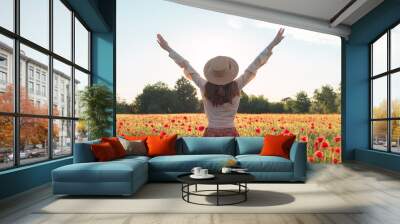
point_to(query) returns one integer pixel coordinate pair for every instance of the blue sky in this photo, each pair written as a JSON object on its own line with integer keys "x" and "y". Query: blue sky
{"x": 303, "y": 61}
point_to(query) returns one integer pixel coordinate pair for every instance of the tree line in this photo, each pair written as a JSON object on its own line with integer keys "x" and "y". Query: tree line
{"x": 159, "y": 98}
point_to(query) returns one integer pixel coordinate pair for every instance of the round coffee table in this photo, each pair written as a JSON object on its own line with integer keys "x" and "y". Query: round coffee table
{"x": 238, "y": 179}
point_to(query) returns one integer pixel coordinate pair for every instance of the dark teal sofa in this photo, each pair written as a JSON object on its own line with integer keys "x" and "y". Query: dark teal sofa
{"x": 125, "y": 176}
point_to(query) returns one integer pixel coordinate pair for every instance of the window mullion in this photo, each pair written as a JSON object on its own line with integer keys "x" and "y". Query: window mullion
{"x": 16, "y": 69}
{"x": 50, "y": 81}
{"x": 389, "y": 104}
{"x": 89, "y": 54}
{"x": 73, "y": 81}
{"x": 371, "y": 141}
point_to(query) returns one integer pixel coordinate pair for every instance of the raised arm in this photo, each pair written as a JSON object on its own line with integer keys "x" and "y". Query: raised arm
{"x": 259, "y": 61}
{"x": 188, "y": 70}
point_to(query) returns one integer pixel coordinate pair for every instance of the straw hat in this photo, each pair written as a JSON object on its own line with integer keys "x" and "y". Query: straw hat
{"x": 221, "y": 70}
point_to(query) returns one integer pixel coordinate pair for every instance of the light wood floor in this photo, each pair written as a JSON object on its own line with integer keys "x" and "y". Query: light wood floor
{"x": 377, "y": 188}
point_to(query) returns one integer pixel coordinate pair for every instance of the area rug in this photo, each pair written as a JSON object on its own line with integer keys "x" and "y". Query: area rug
{"x": 166, "y": 198}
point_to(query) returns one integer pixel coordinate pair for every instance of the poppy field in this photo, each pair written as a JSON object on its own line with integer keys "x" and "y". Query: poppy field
{"x": 320, "y": 131}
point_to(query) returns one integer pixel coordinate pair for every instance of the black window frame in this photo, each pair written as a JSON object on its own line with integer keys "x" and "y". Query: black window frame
{"x": 17, "y": 39}
{"x": 388, "y": 74}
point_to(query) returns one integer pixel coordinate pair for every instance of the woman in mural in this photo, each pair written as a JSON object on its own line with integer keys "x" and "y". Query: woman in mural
{"x": 220, "y": 90}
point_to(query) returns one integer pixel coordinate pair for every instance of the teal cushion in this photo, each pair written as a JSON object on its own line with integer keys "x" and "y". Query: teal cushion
{"x": 111, "y": 171}
{"x": 83, "y": 152}
{"x": 257, "y": 163}
{"x": 185, "y": 163}
{"x": 249, "y": 145}
{"x": 207, "y": 145}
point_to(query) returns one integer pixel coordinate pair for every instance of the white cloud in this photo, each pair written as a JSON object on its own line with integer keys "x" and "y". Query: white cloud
{"x": 300, "y": 34}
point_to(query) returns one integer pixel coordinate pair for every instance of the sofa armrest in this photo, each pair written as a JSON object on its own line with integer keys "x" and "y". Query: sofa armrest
{"x": 83, "y": 152}
{"x": 298, "y": 155}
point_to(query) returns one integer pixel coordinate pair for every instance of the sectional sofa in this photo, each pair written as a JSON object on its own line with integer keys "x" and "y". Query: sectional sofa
{"x": 125, "y": 176}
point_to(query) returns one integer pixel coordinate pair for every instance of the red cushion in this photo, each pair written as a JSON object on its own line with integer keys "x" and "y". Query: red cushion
{"x": 161, "y": 145}
{"x": 116, "y": 145}
{"x": 103, "y": 152}
{"x": 277, "y": 145}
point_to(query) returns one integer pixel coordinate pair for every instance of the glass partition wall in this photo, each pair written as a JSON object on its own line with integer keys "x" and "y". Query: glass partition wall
{"x": 44, "y": 64}
{"x": 385, "y": 91}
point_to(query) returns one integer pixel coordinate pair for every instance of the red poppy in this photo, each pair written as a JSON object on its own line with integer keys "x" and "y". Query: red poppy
{"x": 304, "y": 139}
{"x": 337, "y": 150}
{"x": 316, "y": 145}
{"x": 338, "y": 138}
{"x": 320, "y": 139}
{"x": 258, "y": 130}
{"x": 310, "y": 159}
{"x": 173, "y": 120}
{"x": 319, "y": 154}
{"x": 335, "y": 161}
{"x": 162, "y": 133}
{"x": 200, "y": 128}
{"x": 166, "y": 126}
{"x": 325, "y": 144}
{"x": 286, "y": 132}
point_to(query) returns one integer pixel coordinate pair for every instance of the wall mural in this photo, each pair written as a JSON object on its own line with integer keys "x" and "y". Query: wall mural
{"x": 296, "y": 89}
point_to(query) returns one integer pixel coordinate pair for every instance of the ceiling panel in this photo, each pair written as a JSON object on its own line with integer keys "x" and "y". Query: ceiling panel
{"x": 319, "y": 9}
{"x": 314, "y": 15}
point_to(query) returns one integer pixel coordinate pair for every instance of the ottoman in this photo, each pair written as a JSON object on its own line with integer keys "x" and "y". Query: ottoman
{"x": 119, "y": 177}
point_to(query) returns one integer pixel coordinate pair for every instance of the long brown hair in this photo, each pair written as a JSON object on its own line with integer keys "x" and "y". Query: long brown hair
{"x": 220, "y": 94}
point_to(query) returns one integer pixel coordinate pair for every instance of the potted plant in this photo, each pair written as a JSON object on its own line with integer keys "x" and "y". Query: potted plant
{"x": 96, "y": 102}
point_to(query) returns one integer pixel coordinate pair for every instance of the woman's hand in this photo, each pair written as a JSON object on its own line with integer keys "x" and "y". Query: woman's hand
{"x": 163, "y": 43}
{"x": 278, "y": 38}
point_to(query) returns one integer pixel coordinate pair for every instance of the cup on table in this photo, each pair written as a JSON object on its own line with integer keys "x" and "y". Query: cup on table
{"x": 203, "y": 172}
{"x": 196, "y": 171}
{"x": 226, "y": 170}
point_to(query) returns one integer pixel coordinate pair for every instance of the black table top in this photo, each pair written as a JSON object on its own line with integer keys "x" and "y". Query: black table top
{"x": 220, "y": 178}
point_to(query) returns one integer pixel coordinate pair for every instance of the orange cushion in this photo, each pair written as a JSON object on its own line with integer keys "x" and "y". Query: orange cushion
{"x": 161, "y": 145}
{"x": 136, "y": 138}
{"x": 277, "y": 145}
{"x": 103, "y": 152}
{"x": 116, "y": 145}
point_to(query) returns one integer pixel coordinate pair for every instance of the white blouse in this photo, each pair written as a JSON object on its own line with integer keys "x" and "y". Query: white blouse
{"x": 222, "y": 116}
